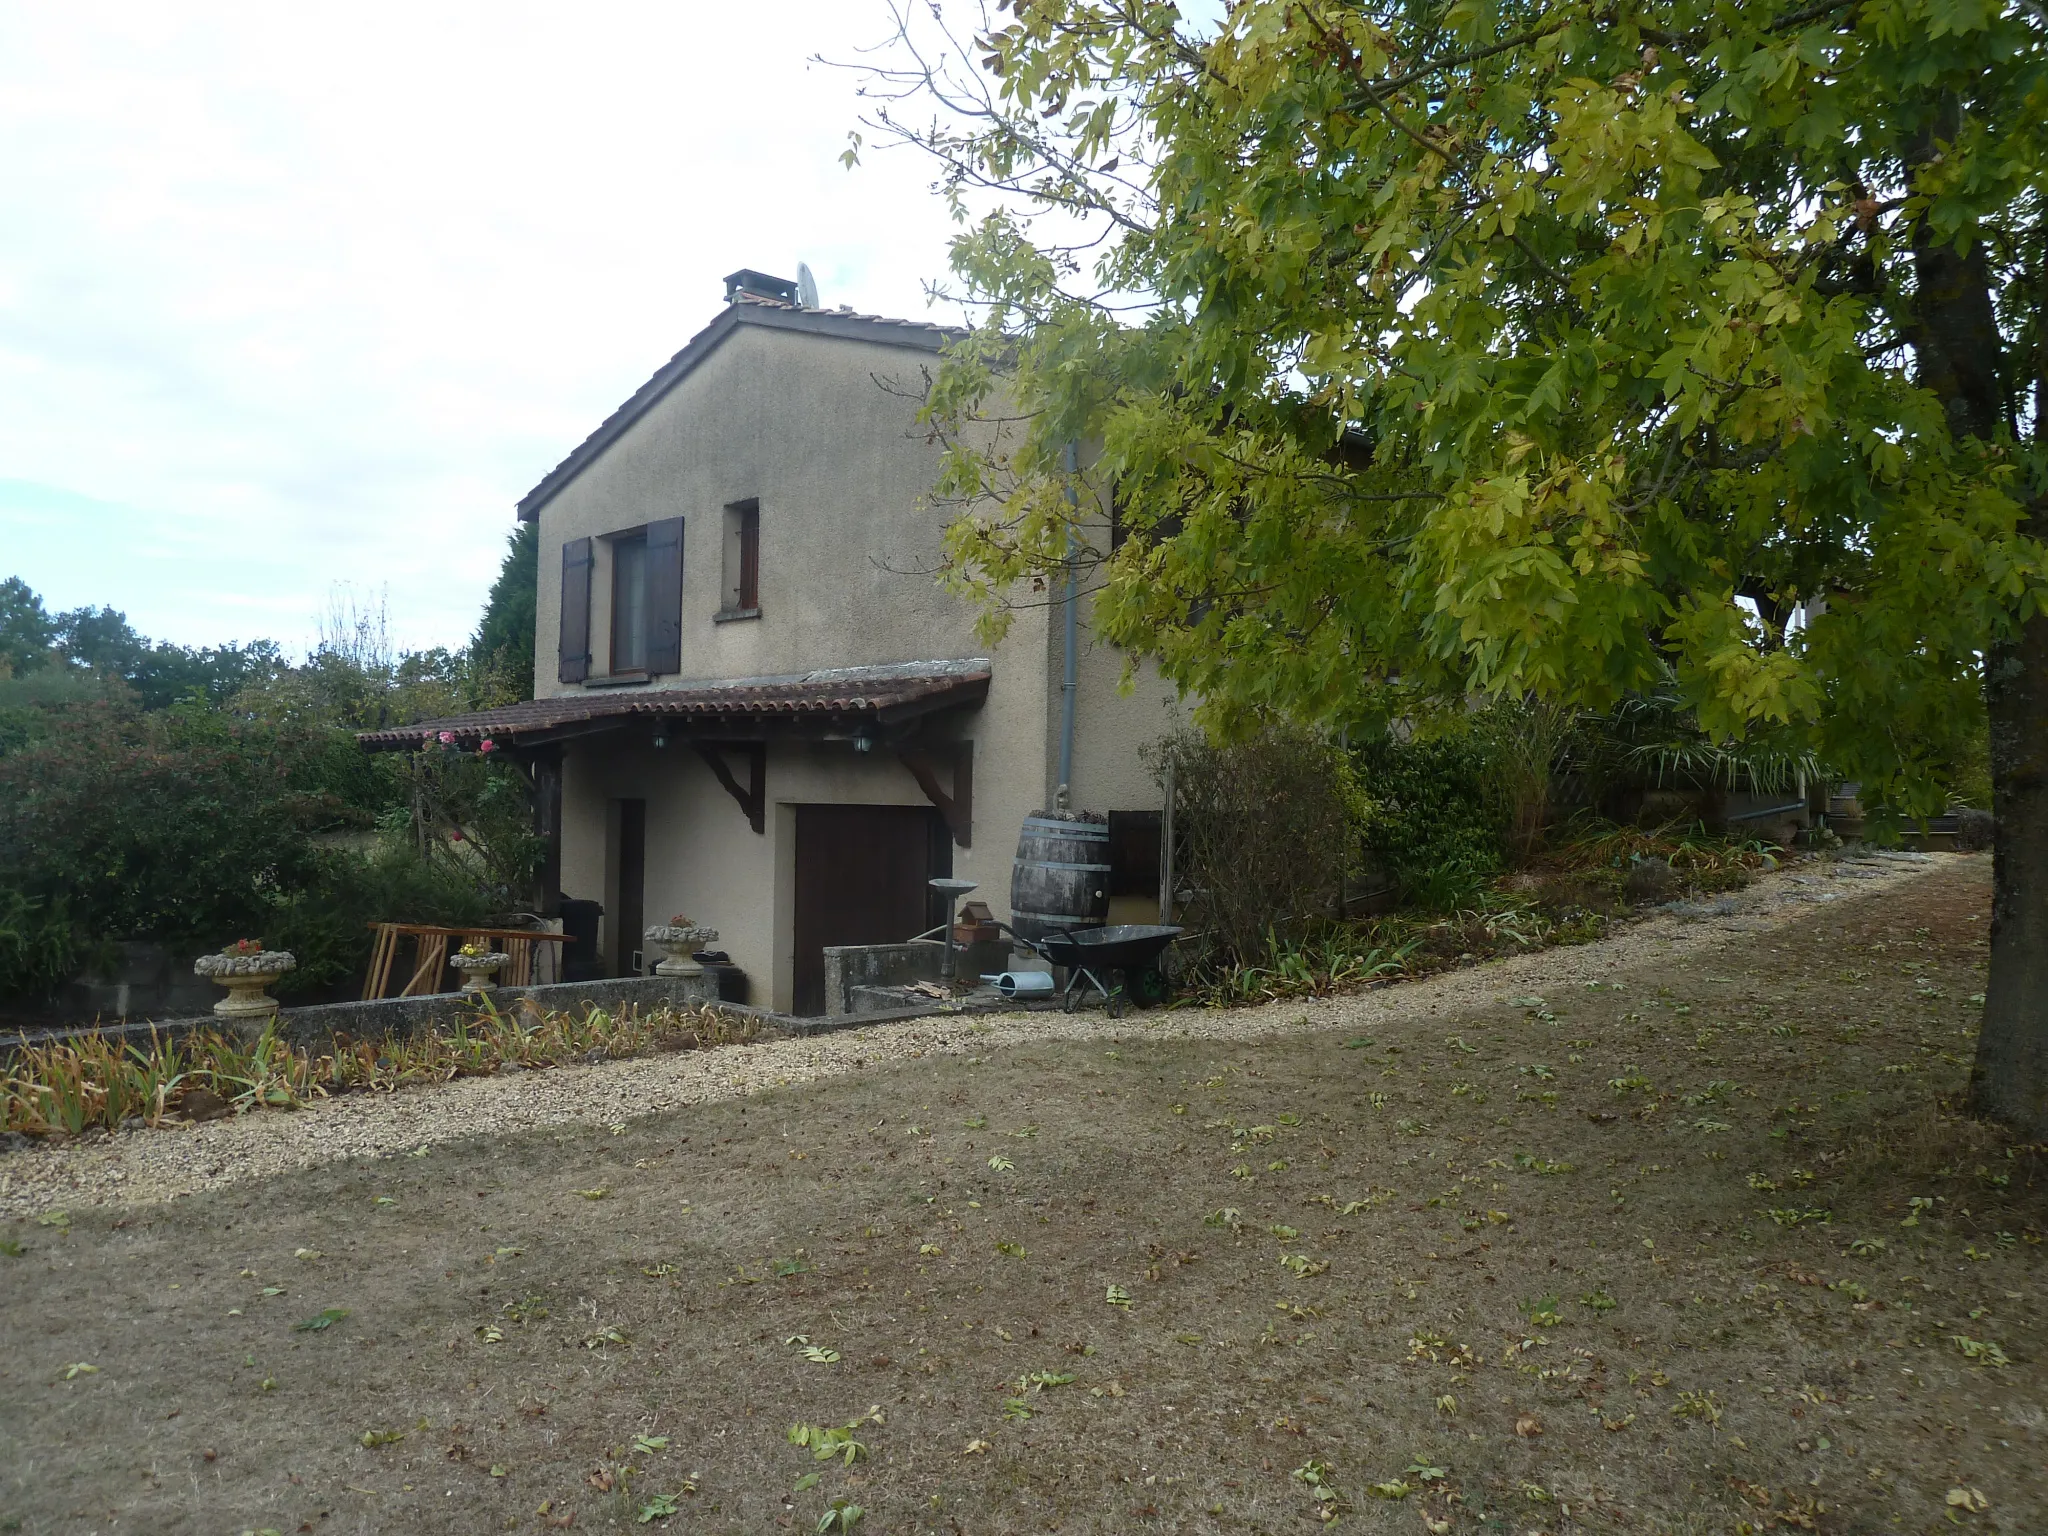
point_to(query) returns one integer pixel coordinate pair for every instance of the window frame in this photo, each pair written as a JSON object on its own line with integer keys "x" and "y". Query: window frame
{"x": 740, "y": 574}
{"x": 630, "y": 539}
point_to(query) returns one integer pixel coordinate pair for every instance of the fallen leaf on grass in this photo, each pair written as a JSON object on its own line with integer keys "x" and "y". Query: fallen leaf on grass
{"x": 593, "y": 1194}
{"x": 659, "y": 1507}
{"x": 977, "y": 1447}
{"x": 1967, "y": 1499}
{"x": 320, "y": 1320}
{"x": 54, "y": 1219}
{"x": 1117, "y": 1296}
{"x": 648, "y": 1444}
{"x": 1528, "y": 1426}
{"x": 1981, "y": 1352}
{"x": 73, "y": 1372}
{"x": 604, "y": 1336}
{"x": 372, "y": 1438}
{"x": 383, "y": 1200}
{"x": 1001, "y": 1164}
{"x": 307, "y": 1254}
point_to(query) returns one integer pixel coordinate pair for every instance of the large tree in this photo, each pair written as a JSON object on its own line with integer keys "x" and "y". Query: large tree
{"x": 1535, "y": 349}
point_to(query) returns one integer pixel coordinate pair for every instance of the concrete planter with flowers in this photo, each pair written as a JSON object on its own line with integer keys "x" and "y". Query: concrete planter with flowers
{"x": 676, "y": 939}
{"x": 246, "y": 969}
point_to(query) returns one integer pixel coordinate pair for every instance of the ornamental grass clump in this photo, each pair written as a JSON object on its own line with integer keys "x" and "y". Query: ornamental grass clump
{"x": 95, "y": 1082}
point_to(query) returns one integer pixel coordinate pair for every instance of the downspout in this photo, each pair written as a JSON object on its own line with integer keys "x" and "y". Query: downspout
{"x": 1070, "y": 684}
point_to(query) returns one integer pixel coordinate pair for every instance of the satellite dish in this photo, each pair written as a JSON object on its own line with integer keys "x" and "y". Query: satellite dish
{"x": 806, "y": 287}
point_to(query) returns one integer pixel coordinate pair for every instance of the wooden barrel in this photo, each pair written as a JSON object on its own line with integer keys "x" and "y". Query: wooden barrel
{"x": 1060, "y": 879}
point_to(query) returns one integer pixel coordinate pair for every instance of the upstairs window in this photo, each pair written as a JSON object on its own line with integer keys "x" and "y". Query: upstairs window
{"x": 646, "y": 603}
{"x": 742, "y": 597}
{"x": 629, "y": 603}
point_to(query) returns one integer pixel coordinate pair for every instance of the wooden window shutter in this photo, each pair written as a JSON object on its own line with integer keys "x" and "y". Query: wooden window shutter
{"x": 575, "y": 632}
{"x": 665, "y": 595}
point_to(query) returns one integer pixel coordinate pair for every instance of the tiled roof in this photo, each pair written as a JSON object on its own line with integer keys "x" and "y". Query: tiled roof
{"x": 744, "y": 309}
{"x": 845, "y": 696}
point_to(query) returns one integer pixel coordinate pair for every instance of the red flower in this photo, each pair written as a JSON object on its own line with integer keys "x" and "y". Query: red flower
{"x": 487, "y": 745}
{"x": 447, "y": 738}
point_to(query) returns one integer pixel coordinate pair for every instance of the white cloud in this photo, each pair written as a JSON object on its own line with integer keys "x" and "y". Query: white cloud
{"x": 291, "y": 297}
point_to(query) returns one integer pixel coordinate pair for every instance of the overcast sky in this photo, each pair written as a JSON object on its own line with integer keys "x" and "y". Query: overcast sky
{"x": 296, "y": 297}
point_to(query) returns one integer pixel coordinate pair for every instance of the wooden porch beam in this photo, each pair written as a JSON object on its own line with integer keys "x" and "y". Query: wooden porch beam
{"x": 957, "y": 808}
{"x": 754, "y": 798}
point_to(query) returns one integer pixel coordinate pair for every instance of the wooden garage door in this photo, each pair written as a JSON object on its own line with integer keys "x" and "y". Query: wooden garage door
{"x": 860, "y": 879}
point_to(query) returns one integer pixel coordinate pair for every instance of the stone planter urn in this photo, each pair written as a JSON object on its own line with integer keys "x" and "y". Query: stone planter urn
{"x": 246, "y": 970}
{"x": 479, "y": 972}
{"x": 676, "y": 941}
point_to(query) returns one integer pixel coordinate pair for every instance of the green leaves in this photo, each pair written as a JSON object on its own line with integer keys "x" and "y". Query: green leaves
{"x": 320, "y": 1322}
{"x": 1515, "y": 356}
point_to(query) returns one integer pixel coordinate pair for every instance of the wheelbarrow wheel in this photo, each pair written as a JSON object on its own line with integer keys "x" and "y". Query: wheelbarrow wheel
{"x": 1148, "y": 988}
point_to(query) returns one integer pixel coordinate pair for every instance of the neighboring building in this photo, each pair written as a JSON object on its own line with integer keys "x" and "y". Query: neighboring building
{"x": 753, "y": 703}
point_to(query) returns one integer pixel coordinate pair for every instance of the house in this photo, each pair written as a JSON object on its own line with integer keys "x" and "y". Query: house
{"x": 753, "y": 704}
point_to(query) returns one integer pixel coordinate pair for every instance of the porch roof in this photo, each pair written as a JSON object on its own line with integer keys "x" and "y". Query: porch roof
{"x": 839, "y": 701}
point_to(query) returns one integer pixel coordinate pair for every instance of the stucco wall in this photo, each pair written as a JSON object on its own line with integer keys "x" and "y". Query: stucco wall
{"x": 841, "y": 472}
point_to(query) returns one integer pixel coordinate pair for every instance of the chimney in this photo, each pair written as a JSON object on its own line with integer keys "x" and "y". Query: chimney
{"x": 749, "y": 284}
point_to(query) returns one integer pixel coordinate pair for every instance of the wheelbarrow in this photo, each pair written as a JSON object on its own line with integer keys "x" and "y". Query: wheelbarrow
{"x": 1090, "y": 954}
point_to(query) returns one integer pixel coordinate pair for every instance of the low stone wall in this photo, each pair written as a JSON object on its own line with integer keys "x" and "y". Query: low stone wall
{"x": 849, "y": 967}
{"x": 314, "y": 1028}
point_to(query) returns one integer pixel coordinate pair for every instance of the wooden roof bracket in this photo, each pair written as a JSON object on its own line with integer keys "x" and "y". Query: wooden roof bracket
{"x": 754, "y": 798}
{"x": 957, "y": 808}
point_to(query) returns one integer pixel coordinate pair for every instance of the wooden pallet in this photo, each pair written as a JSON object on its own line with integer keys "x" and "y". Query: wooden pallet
{"x": 431, "y": 955}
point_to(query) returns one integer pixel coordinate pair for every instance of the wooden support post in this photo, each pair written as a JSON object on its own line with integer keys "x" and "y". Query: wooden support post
{"x": 547, "y": 826}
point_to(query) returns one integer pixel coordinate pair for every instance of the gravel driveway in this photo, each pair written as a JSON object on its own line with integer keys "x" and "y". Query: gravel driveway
{"x": 148, "y": 1166}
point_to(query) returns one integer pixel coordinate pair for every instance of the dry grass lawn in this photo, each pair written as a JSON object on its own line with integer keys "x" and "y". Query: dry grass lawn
{"x": 1699, "y": 1251}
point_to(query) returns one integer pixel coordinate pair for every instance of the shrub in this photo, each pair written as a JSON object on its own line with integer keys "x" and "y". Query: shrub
{"x": 180, "y": 826}
{"x": 1435, "y": 822}
{"x": 1265, "y": 831}
{"x": 325, "y": 921}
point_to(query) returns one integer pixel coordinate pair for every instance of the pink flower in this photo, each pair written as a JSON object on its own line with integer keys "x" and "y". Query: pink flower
{"x": 455, "y": 835}
{"x": 487, "y": 745}
{"x": 447, "y": 738}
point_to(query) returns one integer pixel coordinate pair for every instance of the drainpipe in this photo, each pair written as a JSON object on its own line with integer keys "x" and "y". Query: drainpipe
{"x": 1070, "y": 684}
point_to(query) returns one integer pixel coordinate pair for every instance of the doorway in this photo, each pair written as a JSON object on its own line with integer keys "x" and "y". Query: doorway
{"x": 628, "y": 931}
{"x": 860, "y": 879}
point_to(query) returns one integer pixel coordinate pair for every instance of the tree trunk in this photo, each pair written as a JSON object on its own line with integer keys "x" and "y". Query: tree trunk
{"x": 1958, "y": 348}
{"x": 2009, "y": 1080}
